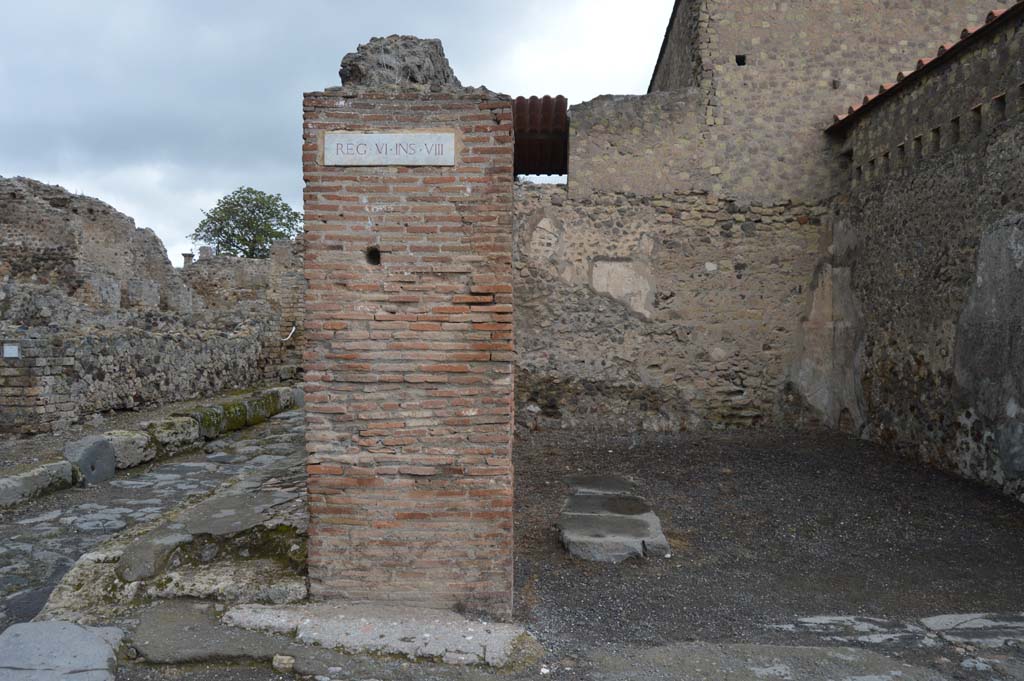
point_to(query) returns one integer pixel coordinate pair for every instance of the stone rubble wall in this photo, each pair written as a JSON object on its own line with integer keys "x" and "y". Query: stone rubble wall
{"x": 267, "y": 289}
{"x": 65, "y": 376}
{"x": 658, "y": 313}
{"x": 84, "y": 248}
{"x": 932, "y": 232}
{"x": 102, "y": 321}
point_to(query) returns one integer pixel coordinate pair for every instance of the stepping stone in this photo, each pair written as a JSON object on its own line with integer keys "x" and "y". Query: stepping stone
{"x": 602, "y": 521}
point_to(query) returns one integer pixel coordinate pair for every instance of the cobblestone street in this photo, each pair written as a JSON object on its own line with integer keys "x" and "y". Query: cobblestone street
{"x": 41, "y": 539}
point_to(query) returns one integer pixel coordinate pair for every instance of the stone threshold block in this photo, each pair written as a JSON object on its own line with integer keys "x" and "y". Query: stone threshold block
{"x": 415, "y": 633}
{"x": 604, "y": 521}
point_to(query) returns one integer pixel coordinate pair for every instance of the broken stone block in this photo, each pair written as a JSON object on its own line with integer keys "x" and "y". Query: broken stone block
{"x": 149, "y": 556}
{"x": 34, "y": 482}
{"x": 211, "y": 420}
{"x": 131, "y": 447}
{"x": 94, "y": 457}
{"x": 173, "y": 434}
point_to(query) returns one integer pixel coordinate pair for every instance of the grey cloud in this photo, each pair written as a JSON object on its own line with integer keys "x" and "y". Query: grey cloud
{"x": 208, "y": 93}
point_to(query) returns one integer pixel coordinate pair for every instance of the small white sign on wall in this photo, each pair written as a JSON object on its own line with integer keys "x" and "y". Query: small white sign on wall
{"x": 12, "y": 351}
{"x": 389, "y": 149}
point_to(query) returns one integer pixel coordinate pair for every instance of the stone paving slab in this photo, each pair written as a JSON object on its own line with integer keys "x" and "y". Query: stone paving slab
{"x": 852, "y": 629}
{"x": 52, "y": 651}
{"x": 415, "y": 633}
{"x": 985, "y": 630}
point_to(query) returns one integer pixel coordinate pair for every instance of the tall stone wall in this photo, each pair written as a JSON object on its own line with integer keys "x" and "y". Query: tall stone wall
{"x": 409, "y": 354}
{"x": 932, "y": 233}
{"x": 680, "y": 63}
{"x": 802, "y": 61}
{"x": 723, "y": 164}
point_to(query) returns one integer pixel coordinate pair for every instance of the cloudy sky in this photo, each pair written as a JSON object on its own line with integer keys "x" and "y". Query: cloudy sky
{"x": 161, "y": 107}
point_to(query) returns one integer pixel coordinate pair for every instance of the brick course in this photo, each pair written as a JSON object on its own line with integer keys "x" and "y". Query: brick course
{"x": 409, "y": 362}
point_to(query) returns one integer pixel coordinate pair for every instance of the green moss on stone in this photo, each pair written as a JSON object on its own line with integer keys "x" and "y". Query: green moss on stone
{"x": 235, "y": 416}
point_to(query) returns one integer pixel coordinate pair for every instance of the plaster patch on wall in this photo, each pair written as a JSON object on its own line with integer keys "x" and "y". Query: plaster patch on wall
{"x": 828, "y": 366}
{"x": 626, "y": 280}
{"x": 988, "y": 362}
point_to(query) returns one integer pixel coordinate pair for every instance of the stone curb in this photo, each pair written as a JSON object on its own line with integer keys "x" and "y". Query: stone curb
{"x": 120, "y": 449}
{"x": 41, "y": 480}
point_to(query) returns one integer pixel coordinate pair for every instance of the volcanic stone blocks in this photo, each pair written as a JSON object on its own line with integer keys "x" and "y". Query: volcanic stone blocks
{"x": 94, "y": 457}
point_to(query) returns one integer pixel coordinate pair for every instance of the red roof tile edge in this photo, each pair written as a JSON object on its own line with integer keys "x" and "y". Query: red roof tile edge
{"x": 995, "y": 18}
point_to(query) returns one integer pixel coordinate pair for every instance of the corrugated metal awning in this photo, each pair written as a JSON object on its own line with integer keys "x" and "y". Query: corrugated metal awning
{"x": 542, "y": 135}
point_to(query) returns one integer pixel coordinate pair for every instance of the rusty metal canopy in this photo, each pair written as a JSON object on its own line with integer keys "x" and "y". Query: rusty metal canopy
{"x": 542, "y": 135}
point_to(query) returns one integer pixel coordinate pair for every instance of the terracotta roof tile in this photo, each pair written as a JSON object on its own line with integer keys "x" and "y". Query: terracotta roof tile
{"x": 926, "y": 63}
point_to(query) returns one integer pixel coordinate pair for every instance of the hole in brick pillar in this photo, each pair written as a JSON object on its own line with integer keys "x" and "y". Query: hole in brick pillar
{"x": 741, "y": 60}
{"x": 373, "y": 255}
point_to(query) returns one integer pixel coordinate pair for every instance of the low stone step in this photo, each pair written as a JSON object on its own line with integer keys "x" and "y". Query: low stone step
{"x": 602, "y": 520}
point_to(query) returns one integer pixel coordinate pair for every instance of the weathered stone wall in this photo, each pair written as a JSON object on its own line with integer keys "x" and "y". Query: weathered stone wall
{"x": 804, "y": 60}
{"x": 62, "y": 377}
{"x": 733, "y": 125}
{"x": 409, "y": 355}
{"x": 269, "y": 290}
{"x": 662, "y": 313}
{"x": 680, "y": 63}
{"x": 102, "y": 321}
{"x": 933, "y": 235}
{"x": 85, "y": 248}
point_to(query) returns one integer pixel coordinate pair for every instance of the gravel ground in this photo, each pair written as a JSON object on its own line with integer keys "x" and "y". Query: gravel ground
{"x": 765, "y": 527}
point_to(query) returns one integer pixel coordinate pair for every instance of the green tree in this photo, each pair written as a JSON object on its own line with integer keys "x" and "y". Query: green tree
{"x": 245, "y": 222}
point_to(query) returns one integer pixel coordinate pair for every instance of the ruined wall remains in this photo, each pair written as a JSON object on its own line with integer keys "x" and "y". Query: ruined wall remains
{"x": 84, "y": 248}
{"x": 95, "y": 318}
{"x": 660, "y": 313}
{"x": 266, "y": 290}
{"x": 932, "y": 231}
{"x": 409, "y": 354}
